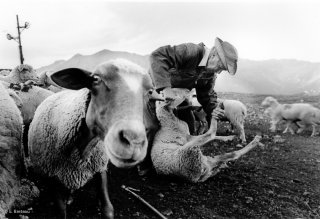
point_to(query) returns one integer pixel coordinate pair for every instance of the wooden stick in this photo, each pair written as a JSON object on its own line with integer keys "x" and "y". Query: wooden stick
{"x": 144, "y": 202}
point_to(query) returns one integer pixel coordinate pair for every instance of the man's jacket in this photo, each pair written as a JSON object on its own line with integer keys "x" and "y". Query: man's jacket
{"x": 177, "y": 67}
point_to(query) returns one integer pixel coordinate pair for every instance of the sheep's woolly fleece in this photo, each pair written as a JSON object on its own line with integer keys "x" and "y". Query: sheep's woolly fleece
{"x": 60, "y": 118}
{"x": 10, "y": 151}
{"x": 168, "y": 155}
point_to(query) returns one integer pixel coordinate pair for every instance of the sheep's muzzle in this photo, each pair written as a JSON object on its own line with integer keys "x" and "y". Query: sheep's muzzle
{"x": 126, "y": 143}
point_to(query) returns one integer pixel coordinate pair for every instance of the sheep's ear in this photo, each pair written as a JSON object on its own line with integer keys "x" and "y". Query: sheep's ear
{"x": 73, "y": 78}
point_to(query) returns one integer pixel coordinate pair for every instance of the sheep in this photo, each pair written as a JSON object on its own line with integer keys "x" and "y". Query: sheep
{"x": 76, "y": 132}
{"x": 27, "y": 97}
{"x": 234, "y": 111}
{"x": 301, "y": 114}
{"x": 31, "y": 96}
{"x": 46, "y": 82}
{"x": 175, "y": 152}
{"x": 20, "y": 74}
{"x": 11, "y": 153}
{"x": 13, "y": 190}
{"x": 4, "y": 72}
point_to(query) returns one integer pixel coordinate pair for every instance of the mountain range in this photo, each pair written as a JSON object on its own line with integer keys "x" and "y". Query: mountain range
{"x": 282, "y": 76}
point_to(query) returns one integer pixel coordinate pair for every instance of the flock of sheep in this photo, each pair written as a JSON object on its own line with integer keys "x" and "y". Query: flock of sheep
{"x": 70, "y": 135}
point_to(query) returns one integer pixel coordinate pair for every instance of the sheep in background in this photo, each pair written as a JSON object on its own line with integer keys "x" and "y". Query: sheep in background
{"x": 75, "y": 133}
{"x": 300, "y": 114}
{"x": 175, "y": 152}
{"x": 28, "y": 97}
{"x": 4, "y": 72}
{"x": 20, "y": 74}
{"x": 47, "y": 83}
{"x": 31, "y": 96}
{"x": 13, "y": 191}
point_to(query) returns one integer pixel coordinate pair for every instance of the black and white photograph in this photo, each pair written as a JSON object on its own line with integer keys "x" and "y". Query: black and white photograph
{"x": 178, "y": 109}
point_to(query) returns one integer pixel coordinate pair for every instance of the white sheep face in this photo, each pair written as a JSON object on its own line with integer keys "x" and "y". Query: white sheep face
{"x": 268, "y": 101}
{"x": 115, "y": 111}
{"x": 180, "y": 95}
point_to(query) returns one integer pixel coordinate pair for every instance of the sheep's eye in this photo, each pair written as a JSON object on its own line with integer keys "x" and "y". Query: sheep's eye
{"x": 96, "y": 80}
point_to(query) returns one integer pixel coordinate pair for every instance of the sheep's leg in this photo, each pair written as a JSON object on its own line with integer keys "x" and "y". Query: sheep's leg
{"x": 302, "y": 127}
{"x": 240, "y": 130}
{"x": 220, "y": 161}
{"x": 107, "y": 210}
{"x": 225, "y": 138}
{"x": 62, "y": 205}
{"x": 242, "y": 135}
{"x": 313, "y": 130}
{"x": 60, "y": 194}
{"x": 288, "y": 127}
{"x": 297, "y": 124}
{"x": 273, "y": 125}
{"x": 205, "y": 138}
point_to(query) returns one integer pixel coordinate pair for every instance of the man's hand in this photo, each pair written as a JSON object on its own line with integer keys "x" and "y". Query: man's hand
{"x": 217, "y": 113}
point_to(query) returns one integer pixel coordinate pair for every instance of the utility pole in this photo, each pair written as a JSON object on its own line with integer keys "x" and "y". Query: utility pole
{"x": 18, "y": 38}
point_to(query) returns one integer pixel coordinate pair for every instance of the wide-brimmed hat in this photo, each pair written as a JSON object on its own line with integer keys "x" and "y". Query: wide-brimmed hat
{"x": 228, "y": 55}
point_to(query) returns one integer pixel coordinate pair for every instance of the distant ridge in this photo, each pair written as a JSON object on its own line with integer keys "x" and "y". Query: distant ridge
{"x": 89, "y": 62}
{"x": 274, "y": 76}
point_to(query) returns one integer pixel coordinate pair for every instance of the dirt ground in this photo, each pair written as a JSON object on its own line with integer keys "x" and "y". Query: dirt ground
{"x": 280, "y": 180}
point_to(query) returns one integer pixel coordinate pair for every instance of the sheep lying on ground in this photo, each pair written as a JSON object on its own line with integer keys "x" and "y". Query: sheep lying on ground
{"x": 20, "y": 74}
{"x": 11, "y": 156}
{"x": 300, "y": 114}
{"x": 47, "y": 83}
{"x": 75, "y": 133}
{"x": 176, "y": 152}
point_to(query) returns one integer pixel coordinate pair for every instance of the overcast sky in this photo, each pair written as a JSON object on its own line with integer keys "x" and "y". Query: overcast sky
{"x": 260, "y": 30}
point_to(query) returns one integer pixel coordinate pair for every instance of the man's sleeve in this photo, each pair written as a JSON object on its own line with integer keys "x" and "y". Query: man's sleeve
{"x": 168, "y": 59}
{"x": 159, "y": 70}
{"x": 206, "y": 96}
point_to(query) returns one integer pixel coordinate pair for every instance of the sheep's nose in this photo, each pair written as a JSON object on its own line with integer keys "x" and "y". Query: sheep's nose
{"x": 132, "y": 137}
{"x": 132, "y": 133}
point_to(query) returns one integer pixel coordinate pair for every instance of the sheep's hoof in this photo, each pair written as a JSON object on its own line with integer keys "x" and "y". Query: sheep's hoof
{"x": 257, "y": 138}
{"x": 262, "y": 146}
{"x": 143, "y": 170}
{"x": 108, "y": 214}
